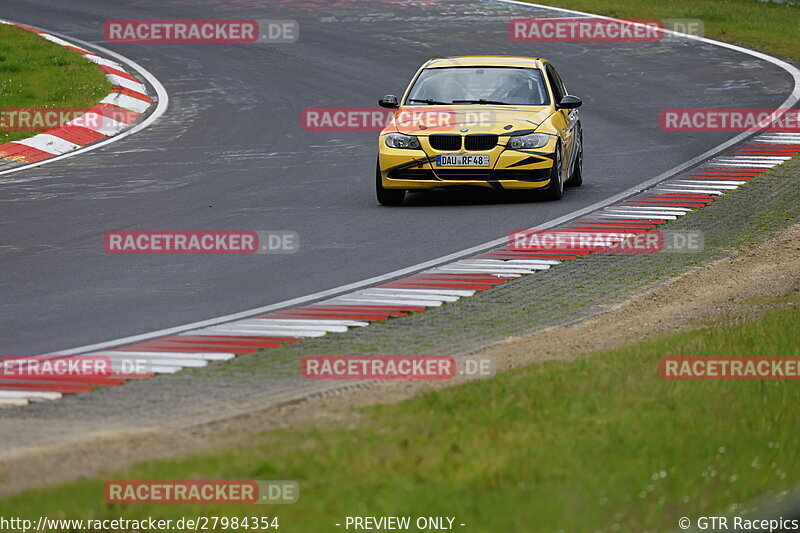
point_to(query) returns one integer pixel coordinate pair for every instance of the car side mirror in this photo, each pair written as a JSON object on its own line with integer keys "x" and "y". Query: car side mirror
{"x": 389, "y": 100}
{"x": 569, "y": 102}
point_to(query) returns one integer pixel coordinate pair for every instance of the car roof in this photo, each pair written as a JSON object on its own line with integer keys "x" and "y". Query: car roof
{"x": 485, "y": 61}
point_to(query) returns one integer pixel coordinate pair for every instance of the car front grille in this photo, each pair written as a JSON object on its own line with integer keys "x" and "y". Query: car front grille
{"x": 522, "y": 175}
{"x": 463, "y": 173}
{"x": 472, "y": 143}
{"x": 445, "y": 142}
{"x": 411, "y": 174}
{"x": 470, "y": 174}
{"x": 480, "y": 143}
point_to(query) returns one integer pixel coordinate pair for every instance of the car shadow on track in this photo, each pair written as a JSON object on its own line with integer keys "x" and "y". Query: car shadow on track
{"x": 437, "y": 198}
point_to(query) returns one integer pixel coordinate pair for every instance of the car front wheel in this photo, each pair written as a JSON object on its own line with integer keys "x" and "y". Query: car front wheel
{"x": 556, "y": 187}
{"x": 576, "y": 178}
{"x": 387, "y": 196}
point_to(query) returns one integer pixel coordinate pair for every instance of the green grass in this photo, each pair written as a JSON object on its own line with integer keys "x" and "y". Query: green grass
{"x": 767, "y": 26}
{"x": 37, "y": 73}
{"x": 598, "y": 444}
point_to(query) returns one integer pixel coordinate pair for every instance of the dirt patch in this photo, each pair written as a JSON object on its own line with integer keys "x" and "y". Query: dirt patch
{"x": 755, "y": 278}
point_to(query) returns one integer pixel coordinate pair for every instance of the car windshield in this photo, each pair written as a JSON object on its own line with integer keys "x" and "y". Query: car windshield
{"x": 473, "y": 85}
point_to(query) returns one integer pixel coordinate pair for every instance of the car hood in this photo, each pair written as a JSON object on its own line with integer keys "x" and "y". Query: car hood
{"x": 497, "y": 119}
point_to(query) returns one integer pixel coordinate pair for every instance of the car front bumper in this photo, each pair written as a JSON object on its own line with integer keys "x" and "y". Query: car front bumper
{"x": 508, "y": 169}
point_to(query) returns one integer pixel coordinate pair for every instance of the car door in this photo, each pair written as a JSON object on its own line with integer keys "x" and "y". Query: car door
{"x": 569, "y": 116}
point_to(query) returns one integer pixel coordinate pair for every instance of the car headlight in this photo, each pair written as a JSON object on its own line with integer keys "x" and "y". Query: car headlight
{"x": 532, "y": 140}
{"x": 399, "y": 140}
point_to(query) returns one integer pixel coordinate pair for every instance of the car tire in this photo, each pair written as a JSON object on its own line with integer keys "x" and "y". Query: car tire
{"x": 387, "y": 196}
{"x": 576, "y": 178}
{"x": 555, "y": 189}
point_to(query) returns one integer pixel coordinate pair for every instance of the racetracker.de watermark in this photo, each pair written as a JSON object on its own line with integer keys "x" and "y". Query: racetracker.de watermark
{"x": 80, "y": 368}
{"x": 202, "y": 492}
{"x": 202, "y": 31}
{"x": 601, "y": 30}
{"x": 642, "y": 241}
{"x": 46, "y": 118}
{"x": 730, "y": 368}
{"x": 349, "y": 4}
{"x": 395, "y": 367}
{"x": 440, "y": 118}
{"x": 48, "y": 366}
{"x": 201, "y": 242}
{"x": 729, "y": 120}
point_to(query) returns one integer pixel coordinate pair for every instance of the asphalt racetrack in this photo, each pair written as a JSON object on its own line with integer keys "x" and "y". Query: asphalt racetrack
{"x": 230, "y": 153}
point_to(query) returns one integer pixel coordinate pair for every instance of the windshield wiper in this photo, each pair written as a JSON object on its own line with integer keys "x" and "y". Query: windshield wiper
{"x": 480, "y": 101}
{"x": 428, "y": 101}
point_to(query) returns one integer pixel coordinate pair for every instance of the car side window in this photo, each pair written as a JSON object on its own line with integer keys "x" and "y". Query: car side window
{"x": 559, "y": 91}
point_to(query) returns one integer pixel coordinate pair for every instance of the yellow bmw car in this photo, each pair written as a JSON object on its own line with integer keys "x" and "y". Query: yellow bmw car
{"x": 498, "y": 122}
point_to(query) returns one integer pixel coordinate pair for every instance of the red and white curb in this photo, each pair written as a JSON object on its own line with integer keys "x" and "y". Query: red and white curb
{"x": 653, "y": 203}
{"x": 121, "y": 112}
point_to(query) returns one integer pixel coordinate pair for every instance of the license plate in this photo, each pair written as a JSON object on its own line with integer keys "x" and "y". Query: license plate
{"x": 462, "y": 160}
